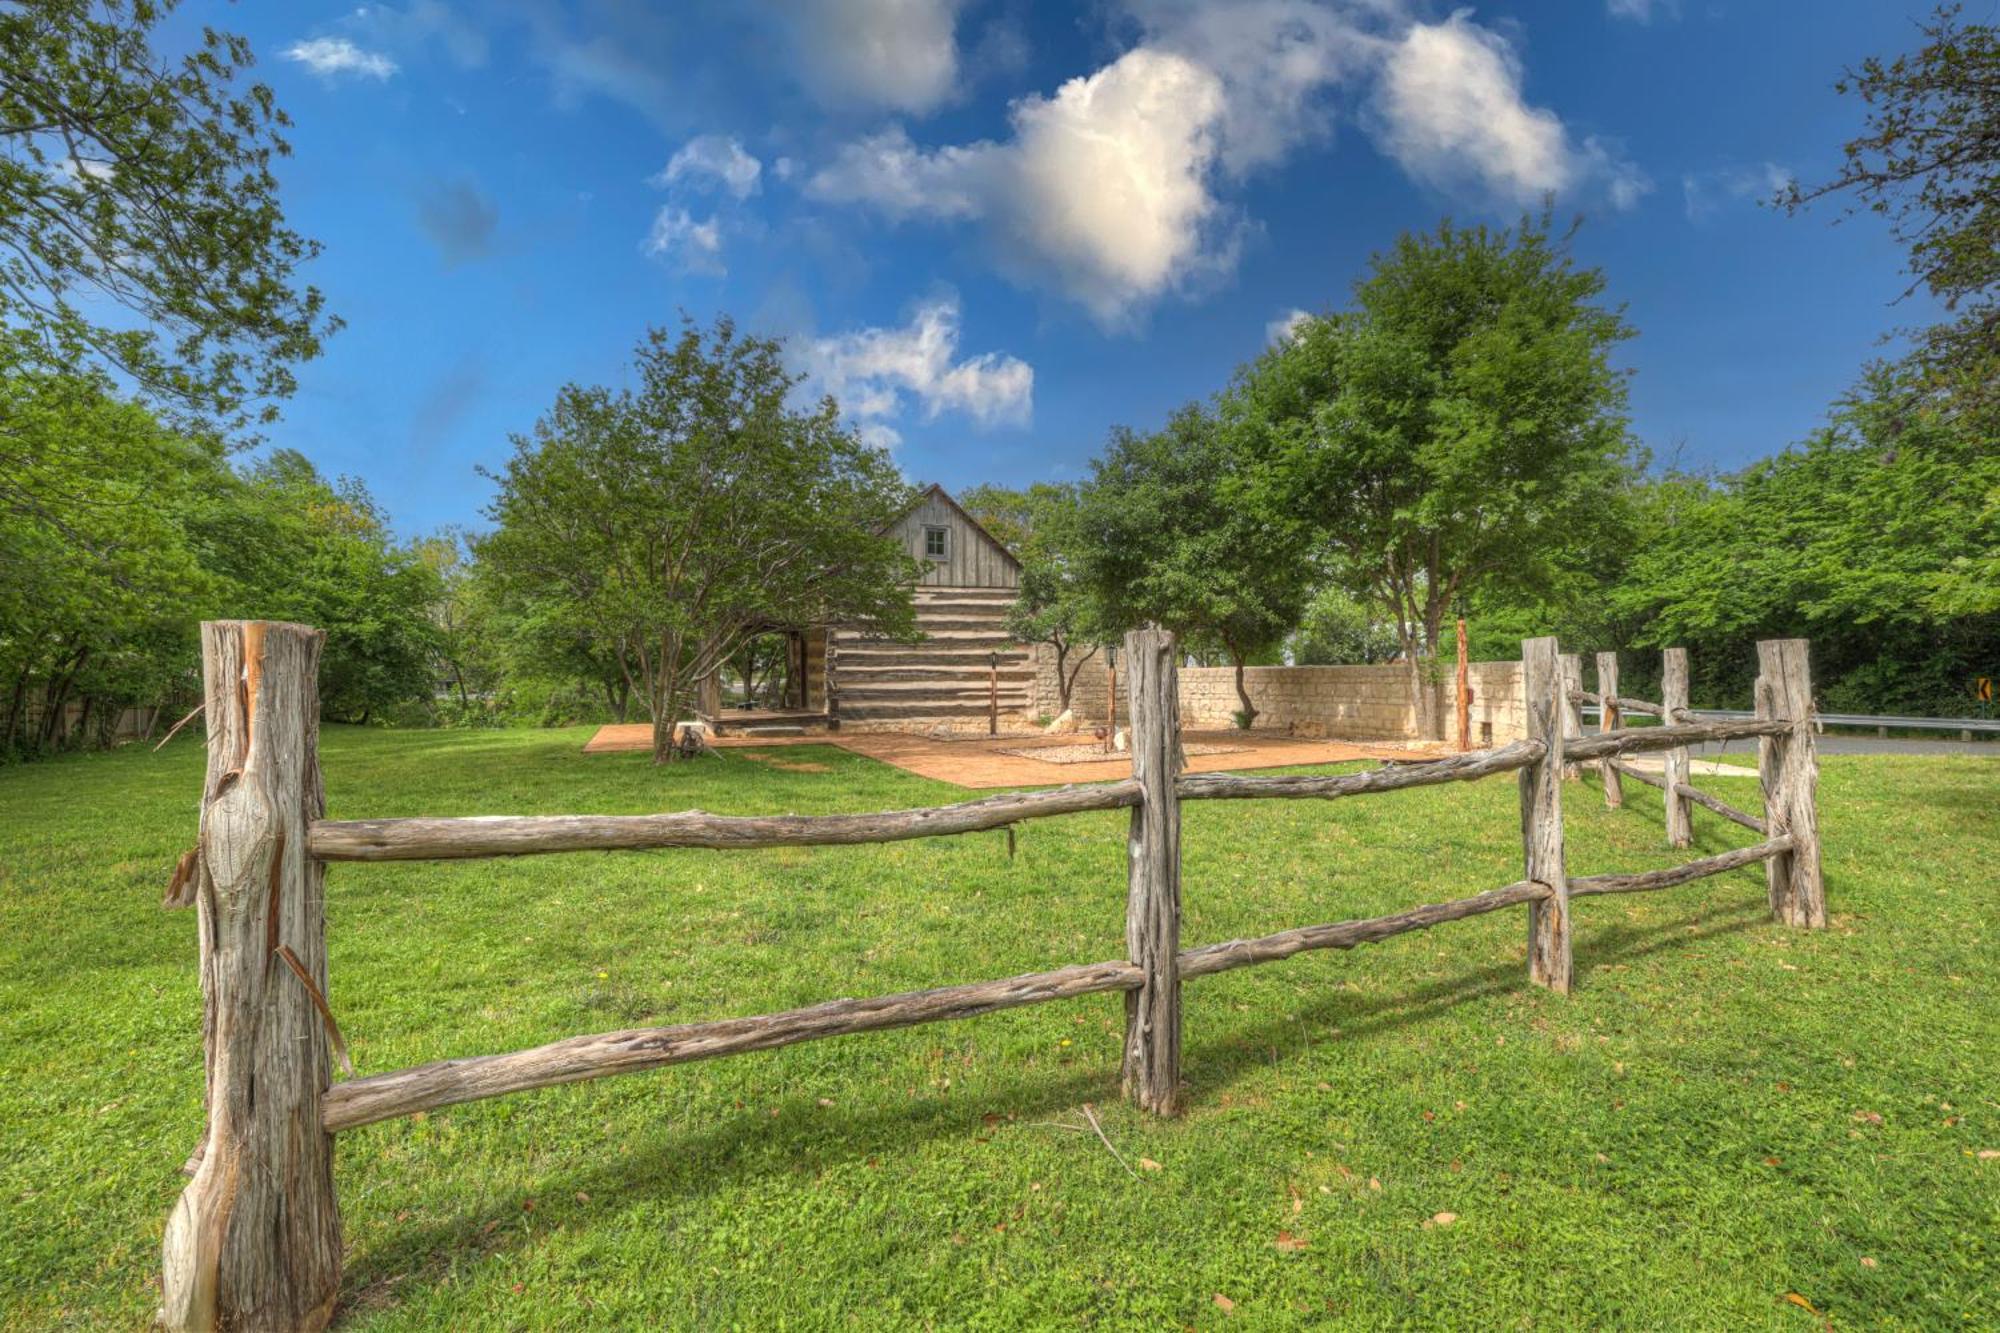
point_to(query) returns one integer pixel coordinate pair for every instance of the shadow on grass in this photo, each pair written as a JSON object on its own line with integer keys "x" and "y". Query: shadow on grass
{"x": 690, "y": 1164}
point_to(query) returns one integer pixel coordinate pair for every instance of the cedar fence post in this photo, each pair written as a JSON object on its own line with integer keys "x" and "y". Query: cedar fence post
{"x": 1152, "y": 1072}
{"x": 1571, "y": 710}
{"x": 1544, "y": 686}
{"x": 1464, "y": 692}
{"x": 254, "y": 1241}
{"x": 1674, "y": 702}
{"x": 1789, "y": 768}
{"x": 1608, "y": 719}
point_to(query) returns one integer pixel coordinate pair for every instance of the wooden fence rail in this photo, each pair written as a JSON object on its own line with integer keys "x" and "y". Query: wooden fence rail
{"x": 255, "y": 1239}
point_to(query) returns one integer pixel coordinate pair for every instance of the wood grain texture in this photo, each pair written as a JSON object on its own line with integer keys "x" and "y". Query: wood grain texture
{"x": 1541, "y": 817}
{"x": 363, "y": 1101}
{"x": 1619, "y": 701}
{"x": 1674, "y": 698}
{"x": 1788, "y": 765}
{"x": 1210, "y": 958}
{"x": 1457, "y": 768}
{"x": 254, "y": 1241}
{"x": 1690, "y": 792}
{"x": 1571, "y": 667}
{"x": 1152, "y": 1065}
{"x": 527, "y": 835}
{"x": 1638, "y": 775}
{"x": 1678, "y": 736}
{"x": 1681, "y": 874}
{"x": 1609, "y": 719}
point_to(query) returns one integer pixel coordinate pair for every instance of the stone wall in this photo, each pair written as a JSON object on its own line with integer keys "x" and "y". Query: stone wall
{"x": 1354, "y": 702}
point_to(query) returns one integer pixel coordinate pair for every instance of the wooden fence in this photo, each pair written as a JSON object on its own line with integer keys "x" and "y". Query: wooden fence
{"x": 1786, "y": 765}
{"x": 254, "y": 1241}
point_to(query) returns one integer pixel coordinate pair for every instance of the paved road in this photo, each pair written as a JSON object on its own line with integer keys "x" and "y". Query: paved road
{"x": 1745, "y": 752}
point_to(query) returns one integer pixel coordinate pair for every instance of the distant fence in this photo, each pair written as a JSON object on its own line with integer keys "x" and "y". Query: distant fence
{"x": 254, "y": 1240}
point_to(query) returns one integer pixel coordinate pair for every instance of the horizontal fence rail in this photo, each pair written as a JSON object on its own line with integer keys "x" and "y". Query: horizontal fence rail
{"x": 1896, "y": 721}
{"x": 529, "y": 835}
{"x": 363, "y": 1101}
{"x": 255, "y": 1239}
{"x": 1465, "y": 767}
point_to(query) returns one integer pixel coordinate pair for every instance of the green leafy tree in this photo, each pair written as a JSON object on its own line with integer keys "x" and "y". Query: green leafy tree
{"x": 1929, "y": 162}
{"x": 1459, "y": 427}
{"x": 1174, "y": 531}
{"x": 132, "y": 181}
{"x": 697, "y": 510}
{"x": 1058, "y": 605}
{"x": 1337, "y": 630}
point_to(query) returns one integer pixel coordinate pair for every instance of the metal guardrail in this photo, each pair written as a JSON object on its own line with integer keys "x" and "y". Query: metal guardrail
{"x": 1880, "y": 721}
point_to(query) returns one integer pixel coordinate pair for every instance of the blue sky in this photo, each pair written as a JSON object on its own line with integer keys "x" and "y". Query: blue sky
{"x": 994, "y": 230}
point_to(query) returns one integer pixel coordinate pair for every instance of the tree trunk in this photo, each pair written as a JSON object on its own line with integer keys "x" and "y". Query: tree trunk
{"x": 1248, "y": 716}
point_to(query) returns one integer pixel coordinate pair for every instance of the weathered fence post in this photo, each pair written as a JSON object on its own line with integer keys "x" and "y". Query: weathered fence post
{"x": 254, "y": 1241}
{"x": 1571, "y": 710}
{"x": 1608, "y": 719}
{"x": 1543, "y": 687}
{"x": 1673, "y": 702}
{"x": 1789, "y": 768}
{"x": 1153, "y": 857}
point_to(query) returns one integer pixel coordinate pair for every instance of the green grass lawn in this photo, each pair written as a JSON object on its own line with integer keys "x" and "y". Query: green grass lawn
{"x": 1725, "y": 1114}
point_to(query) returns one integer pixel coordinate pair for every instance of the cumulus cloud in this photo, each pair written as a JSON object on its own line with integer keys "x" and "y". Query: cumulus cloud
{"x": 711, "y": 157}
{"x": 459, "y": 219}
{"x": 896, "y": 55}
{"x": 878, "y": 373}
{"x": 331, "y": 57}
{"x": 1286, "y": 326}
{"x": 1101, "y": 191}
{"x": 1453, "y": 115}
{"x": 1706, "y": 193}
{"x": 683, "y": 242}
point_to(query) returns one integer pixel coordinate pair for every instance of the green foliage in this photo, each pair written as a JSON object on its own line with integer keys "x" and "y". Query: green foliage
{"x": 1858, "y": 541}
{"x": 1458, "y": 429}
{"x": 120, "y": 535}
{"x": 655, "y": 530}
{"x": 1336, "y": 630}
{"x": 1058, "y": 604}
{"x": 1174, "y": 531}
{"x": 1929, "y": 162}
{"x": 133, "y": 181}
{"x": 1680, "y": 1143}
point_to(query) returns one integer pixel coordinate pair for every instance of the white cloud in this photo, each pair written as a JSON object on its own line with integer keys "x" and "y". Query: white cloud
{"x": 897, "y": 55}
{"x": 1286, "y": 326}
{"x": 1102, "y": 192}
{"x": 684, "y": 243}
{"x": 331, "y": 57}
{"x": 1453, "y": 115}
{"x": 1705, "y": 193}
{"x": 1642, "y": 11}
{"x": 877, "y": 373}
{"x": 714, "y": 157}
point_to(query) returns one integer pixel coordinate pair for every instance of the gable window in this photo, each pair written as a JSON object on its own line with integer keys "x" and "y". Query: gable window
{"x": 937, "y": 543}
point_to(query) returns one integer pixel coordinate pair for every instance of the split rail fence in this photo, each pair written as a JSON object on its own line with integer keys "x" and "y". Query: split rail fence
{"x": 254, "y": 1241}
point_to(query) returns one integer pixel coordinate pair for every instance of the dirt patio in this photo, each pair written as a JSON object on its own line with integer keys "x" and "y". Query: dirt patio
{"x": 981, "y": 763}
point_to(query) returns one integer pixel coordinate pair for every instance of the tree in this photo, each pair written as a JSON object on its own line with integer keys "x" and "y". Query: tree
{"x": 1336, "y": 630}
{"x": 131, "y": 180}
{"x": 1459, "y": 427}
{"x": 1929, "y": 162}
{"x": 1057, "y": 605}
{"x": 1173, "y": 532}
{"x": 700, "y": 509}
{"x": 1858, "y": 540}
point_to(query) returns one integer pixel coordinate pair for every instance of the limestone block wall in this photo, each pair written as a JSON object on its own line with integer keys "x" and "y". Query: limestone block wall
{"x": 1354, "y": 702}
